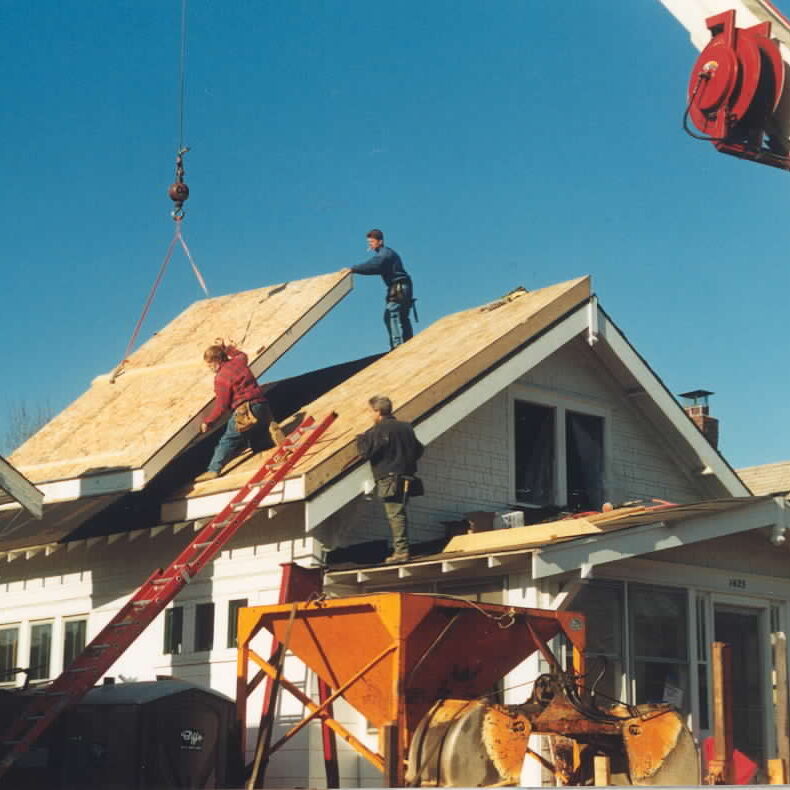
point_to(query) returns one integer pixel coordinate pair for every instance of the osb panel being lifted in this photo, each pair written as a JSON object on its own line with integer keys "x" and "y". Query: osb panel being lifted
{"x": 153, "y": 409}
{"x": 419, "y": 375}
{"x": 15, "y": 487}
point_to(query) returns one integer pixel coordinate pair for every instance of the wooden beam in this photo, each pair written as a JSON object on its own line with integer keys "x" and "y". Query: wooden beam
{"x": 720, "y": 766}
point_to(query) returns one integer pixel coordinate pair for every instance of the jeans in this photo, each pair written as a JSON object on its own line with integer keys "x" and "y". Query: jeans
{"x": 395, "y": 508}
{"x": 396, "y": 318}
{"x": 232, "y": 442}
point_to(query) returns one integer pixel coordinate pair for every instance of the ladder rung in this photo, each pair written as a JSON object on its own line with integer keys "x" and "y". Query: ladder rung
{"x": 103, "y": 646}
{"x": 81, "y": 669}
{"x": 13, "y": 742}
{"x": 34, "y": 716}
{"x": 122, "y": 625}
{"x": 142, "y": 603}
{"x": 161, "y": 580}
{"x": 56, "y": 693}
{"x": 202, "y": 545}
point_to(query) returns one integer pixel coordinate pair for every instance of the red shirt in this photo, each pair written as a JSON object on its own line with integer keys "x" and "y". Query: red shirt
{"x": 234, "y": 384}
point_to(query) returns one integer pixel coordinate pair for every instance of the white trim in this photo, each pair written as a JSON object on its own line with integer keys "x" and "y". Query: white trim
{"x": 93, "y": 485}
{"x": 634, "y": 541}
{"x": 704, "y": 580}
{"x": 708, "y": 457}
{"x": 331, "y": 499}
{"x": 291, "y": 490}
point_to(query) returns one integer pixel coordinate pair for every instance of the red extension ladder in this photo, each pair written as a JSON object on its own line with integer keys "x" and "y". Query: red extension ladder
{"x": 161, "y": 588}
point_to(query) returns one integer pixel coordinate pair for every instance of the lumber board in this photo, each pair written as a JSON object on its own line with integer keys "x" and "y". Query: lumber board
{"x": 19, "y": 489}
{"x": 165, "y": 386}
{"x": 527, "y": 537}
{"x": 419, "y": 375}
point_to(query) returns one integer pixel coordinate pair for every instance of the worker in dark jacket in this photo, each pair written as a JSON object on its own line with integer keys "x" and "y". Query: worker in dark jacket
{"x": 393, "y": 450}
{"x": 400, "y": 298}
{"x": 234, "y": 386}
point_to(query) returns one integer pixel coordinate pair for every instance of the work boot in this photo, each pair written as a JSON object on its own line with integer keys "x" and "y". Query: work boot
{"x": 397, "y": 556}
{"x": 207, "y": 476}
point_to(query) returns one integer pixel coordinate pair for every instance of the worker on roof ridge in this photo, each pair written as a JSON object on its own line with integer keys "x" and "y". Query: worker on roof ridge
{"x": 399, "y": 298}
{"x": 236, "y": 388}
{"x": 393, "y": 450}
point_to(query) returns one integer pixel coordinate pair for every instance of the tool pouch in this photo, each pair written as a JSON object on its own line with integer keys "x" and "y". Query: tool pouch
{"x": 245, "y": 419}
{"x": 400, "y": 292}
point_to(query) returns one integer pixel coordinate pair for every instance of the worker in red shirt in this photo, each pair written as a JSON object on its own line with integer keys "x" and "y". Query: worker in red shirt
{"x": 235, "y": 388}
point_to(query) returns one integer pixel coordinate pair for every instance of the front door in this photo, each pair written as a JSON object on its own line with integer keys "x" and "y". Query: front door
{"x": 744, "y": 630}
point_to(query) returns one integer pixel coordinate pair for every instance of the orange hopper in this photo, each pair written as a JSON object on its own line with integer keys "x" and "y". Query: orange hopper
{"x": 393, "y": 655}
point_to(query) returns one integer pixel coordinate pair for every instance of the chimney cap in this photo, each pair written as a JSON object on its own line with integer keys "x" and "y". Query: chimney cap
{"x": 697, "y": 397}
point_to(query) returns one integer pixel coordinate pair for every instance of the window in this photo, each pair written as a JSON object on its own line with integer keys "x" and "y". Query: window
{"x": 559, "y": 456}
{"x": 584, "y": 460}
{"x": 9, "y": 645}
{"x": 654, "y": 654}
{"x": 659, "y": 631}
{"x": 174, "y": 630}
{"x": 73, "y": 639}
{"x": 233, "y": 620}
{"x": 40, "y": 651}
{"x": 534, "y": 453}
{"x": 603, "y": 605}
{"x": 204, "y": 626}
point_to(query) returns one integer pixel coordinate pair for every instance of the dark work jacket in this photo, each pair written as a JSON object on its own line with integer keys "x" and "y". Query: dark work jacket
{"x": 385, "y": 262}
{"x": 391, "y": 447}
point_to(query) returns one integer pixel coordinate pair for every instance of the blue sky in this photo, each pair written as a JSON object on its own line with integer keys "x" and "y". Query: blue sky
{"x": 517, "y": 142}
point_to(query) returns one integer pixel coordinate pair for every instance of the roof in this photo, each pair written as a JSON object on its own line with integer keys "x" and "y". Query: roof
{"x": 767, "y": 478}
{"x": 124, "y": 432}
{"x": 15, "y": 487}
{"x": 419, "y": 375}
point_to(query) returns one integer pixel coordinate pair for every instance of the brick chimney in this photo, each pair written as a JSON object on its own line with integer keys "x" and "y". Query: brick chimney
{"x": 695, "y": 404}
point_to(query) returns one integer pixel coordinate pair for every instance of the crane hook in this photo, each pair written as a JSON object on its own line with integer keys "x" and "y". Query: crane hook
{"x": 179, "y": 191}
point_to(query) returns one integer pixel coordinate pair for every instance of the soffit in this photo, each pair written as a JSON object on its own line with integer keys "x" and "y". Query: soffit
{"x": 20, "y": 530}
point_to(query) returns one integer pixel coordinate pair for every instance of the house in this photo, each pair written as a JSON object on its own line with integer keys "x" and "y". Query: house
{"x": 530, "y": 402}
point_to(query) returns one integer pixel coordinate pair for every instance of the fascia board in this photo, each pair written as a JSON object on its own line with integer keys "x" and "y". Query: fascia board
{"x": 93, "y": 485}
{"x": 635, "y": 541}
{"x": 272, "y": 353}
{"x": 191, "y": 508}
{"x": 340, "y": 493}
{"x": 652, "y": 385}
{"x": 20, "y": 489}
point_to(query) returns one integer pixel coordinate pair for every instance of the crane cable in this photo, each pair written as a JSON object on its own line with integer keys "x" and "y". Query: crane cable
{"x": 178, "y": 193}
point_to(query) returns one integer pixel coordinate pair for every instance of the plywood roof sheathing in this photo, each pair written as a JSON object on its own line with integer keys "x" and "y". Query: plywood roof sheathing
{"x": 417, "y": 376}
{"x": 153, "y": 410}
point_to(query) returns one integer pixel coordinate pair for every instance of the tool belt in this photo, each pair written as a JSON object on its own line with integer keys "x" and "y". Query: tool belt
{"x": 400, "y": 291}
{"x": 399, "y": 486}
{"x": 244, "y": 416}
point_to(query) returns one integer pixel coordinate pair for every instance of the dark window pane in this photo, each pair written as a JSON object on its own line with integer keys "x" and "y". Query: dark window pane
{"x": 40, "y": 650}
{"x": 9, "y": 643}
{"x": 233, "y": 623}
{"x": 204, "y": 626}
{"x": 534, "y": 426}
{"x": 658, "y": 618}
{"x": 603, "y": 606}
{"x": 174, "y": 630}
{"x": 584, "y": 459}
{"x": 73, "y": 640}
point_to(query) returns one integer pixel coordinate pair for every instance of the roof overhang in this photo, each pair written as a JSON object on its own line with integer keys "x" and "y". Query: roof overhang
{"x": 587, "y": 552}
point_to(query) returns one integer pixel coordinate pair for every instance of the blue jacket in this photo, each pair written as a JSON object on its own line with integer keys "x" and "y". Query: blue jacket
{"x": 385, "y": 262}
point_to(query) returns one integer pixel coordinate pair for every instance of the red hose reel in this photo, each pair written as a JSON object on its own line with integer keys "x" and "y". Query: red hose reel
{"x": 735, "y": 86}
